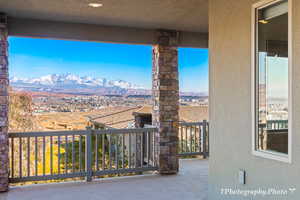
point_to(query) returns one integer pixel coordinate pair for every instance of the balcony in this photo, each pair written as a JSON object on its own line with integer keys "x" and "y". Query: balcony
{"x": 190, "y": 183}
{"x": 111, "y": 159}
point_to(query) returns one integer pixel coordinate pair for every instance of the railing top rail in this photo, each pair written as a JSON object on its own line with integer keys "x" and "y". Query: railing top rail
{"x": 81, "y": 132}
{"x": 191, "y": 123}
{"x": 122, "y": 131}
{"x": 48, "y": 133}
{"x": 279, "y": 121}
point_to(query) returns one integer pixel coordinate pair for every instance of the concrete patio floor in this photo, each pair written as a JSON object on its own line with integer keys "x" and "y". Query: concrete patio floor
{"x": 190, "y": 184}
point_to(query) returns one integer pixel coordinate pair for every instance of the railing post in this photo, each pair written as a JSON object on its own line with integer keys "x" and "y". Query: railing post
{"x": 207, "y": 138}
{"x": 205, "y": 152}
{"x": 88, "y": 155}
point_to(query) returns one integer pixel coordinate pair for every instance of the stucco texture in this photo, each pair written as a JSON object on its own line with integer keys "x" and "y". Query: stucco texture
{"x": 230, "y": 107}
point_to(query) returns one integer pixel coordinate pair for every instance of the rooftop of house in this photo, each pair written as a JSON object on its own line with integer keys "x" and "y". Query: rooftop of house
{"x": 121, "y": 117}
{"x": 114, "y": 117}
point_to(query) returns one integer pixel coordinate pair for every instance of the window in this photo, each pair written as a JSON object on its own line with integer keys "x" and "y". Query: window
{"x": 271, "y": 80}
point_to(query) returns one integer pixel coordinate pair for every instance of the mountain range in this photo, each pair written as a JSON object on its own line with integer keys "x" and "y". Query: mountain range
{"x": 73, "y": 84}
{"x": 77, "y": 85}
{"x": 69, "y": 79}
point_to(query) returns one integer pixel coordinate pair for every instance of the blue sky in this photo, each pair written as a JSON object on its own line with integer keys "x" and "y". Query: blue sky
{"x": 37, "y": 57}
{"x": 277, "y": 77}
{"x": 275, "y": 71}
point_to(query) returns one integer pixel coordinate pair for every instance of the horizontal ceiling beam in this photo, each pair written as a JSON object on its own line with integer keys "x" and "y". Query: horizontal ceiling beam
{"x": 97, "y": 33}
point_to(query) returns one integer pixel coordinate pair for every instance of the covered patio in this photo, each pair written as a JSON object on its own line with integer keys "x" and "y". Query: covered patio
{"x": 177, "y": 24}
{"x": 244, "y": 38}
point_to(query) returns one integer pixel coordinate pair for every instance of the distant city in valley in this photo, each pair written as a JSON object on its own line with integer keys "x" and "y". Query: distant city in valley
{"x": 65, "y": 101}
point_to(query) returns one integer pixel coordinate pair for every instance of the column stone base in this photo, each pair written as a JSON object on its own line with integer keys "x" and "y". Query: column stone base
{"x": 4, "y": 160}
{"x": 165, "y": 90}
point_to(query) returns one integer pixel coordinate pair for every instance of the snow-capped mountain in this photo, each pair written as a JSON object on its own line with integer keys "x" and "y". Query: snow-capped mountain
{"x": 76, "y": 85}
{"x": 70, "y": 80}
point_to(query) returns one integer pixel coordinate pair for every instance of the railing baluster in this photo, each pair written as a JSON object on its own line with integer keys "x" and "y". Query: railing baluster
{"x": 117, "y": 152}
{"x": 193, "y": 130}
{"x": 88, "y": 156}
{"x": 36, "y": 155}
{"x": 80, "y": 153}
{"x": 207, "y": 138}
{"x": 204, "y": 139}
{"x": 199, "y": 139}
{"x": 181, "y": 142}
{"x": 103, "y": 152}
{"x": 20, "y": 157}
{"x": 51, "y": 155}
{"x": 73, "y": 153}
{"x": 129, "y": 151}
{"x": 148, "y": 148}
{"x": 195, "y": 138}
{"x": 66, "y": 154}
{"x": 191, "y": 139}
{"x": 44, "y": 156}
{"x": 12, "y": 158}
{"x": 58, "y": 147}
{"x": 186, "y": 139}
{"x": 153, "y": 149}
{"x": 123, "y": 151}
{"x": 109, "y": 151}
{"x": 28, "y": 156}
{"x": 136, "y": 151}
{"x": 96, "y": 152}
{"x": 142, "y": 149}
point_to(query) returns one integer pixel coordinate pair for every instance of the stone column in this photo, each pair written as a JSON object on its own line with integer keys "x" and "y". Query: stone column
{"x": 165, "y": 91}
{"x": 4, "y": 162}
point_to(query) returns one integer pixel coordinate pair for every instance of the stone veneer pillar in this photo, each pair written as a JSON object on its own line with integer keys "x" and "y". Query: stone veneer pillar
{"x": 4, "y": 161}
{"x": 165, "y": 89}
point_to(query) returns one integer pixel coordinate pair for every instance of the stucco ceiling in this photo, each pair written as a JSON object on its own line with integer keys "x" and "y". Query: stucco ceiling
{"x": 183, "y": 15}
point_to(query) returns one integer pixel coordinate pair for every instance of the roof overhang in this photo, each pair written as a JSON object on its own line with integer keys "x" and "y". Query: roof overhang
{"x": 120, "y": 21}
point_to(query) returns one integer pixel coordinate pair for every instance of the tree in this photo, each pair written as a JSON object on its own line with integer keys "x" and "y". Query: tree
{"x": 20, "y": 112}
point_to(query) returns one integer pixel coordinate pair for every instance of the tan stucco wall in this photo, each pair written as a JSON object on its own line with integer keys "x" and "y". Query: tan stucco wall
{"x": 230, "y": 105}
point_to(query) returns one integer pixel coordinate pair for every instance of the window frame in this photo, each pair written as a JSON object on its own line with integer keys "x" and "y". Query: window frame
{"x": 287, "y": 158}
